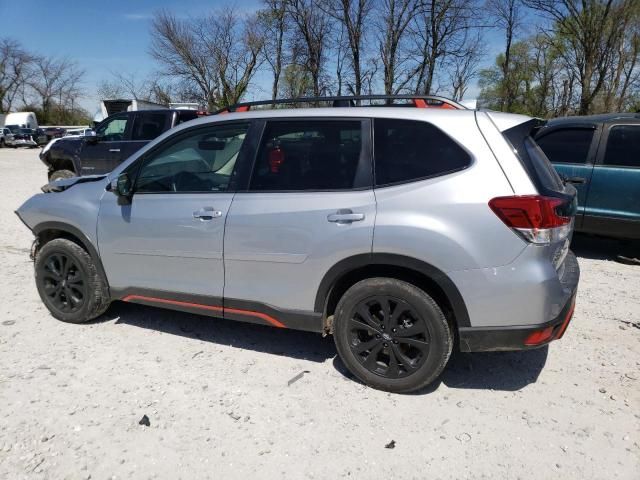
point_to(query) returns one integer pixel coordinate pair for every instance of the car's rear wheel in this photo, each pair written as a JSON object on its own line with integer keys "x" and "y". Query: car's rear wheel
{"x": 392, "y": 335}
{"x": 69, "y": 283}
{"x": 60, "y": 174}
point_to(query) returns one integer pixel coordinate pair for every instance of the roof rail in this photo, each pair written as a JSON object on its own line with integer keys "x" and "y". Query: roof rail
{"x": 419, "y": 101}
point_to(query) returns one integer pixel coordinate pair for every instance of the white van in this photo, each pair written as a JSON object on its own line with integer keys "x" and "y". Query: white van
{"x": 22, "y": 119}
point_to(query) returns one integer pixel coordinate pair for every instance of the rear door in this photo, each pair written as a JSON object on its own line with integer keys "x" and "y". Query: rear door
{"x": 613, "y": 204}
{"x": 103, "y": 154}
{"x": 308, "y": 205}
{"x": 572, "y": 150}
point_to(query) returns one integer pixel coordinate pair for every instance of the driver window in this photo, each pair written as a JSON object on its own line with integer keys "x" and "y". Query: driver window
{"x": 113, "y": 130}
{"x": 201, "y": 161}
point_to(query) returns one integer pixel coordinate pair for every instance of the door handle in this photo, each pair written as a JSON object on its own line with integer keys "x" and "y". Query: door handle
{"x": 576, "y": 180}
{"x": 207, "y": 213}
{"x": 114, "y": 150}
{"x": 345, "y": 215}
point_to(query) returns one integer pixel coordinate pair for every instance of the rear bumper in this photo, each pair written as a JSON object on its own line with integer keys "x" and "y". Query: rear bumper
{"x": 525, "y": 337}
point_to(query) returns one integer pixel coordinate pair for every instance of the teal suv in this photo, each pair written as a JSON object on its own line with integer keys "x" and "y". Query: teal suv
{"x": 600, "y": 155}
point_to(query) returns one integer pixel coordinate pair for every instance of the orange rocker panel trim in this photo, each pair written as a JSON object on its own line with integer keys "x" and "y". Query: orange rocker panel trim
{"x": 263, "y": 316}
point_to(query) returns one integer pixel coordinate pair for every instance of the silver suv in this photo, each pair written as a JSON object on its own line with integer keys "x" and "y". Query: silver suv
{"x": 401, "y": 231}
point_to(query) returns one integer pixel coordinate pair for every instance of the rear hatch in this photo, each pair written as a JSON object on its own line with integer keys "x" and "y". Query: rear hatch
{"x": 546, "y": 219}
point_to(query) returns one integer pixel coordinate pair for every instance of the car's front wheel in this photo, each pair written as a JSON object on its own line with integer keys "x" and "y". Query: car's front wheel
{"x": 392, "y": 335}
{"x": 60, "y": 174}
{"x": 69, "y": 283}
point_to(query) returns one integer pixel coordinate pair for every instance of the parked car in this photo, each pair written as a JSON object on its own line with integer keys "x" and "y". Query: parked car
{"x": 22, "y": 137}
{"x": 39, "y": 136}
{"x": 5, "y": 137}
{"x": 113, "y": 140}
{"x": 600, "y": 154}
{"x": 398, "y": 230}
{"x": 79, "y": 132}
{"x": 54, "y": 132}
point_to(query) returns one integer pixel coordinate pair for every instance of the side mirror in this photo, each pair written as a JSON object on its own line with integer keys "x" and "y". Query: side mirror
{"x": 121, "y": 186}
{"x": 91, "y": 136}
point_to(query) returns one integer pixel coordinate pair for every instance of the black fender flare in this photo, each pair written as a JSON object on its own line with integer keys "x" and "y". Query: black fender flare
{"x": 54, "y": 156}
{"x": 355, "y": 262}
{"x": 82, "y": 238}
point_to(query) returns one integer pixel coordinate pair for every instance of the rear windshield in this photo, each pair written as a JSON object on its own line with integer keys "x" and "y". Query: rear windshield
{"x": 533, "y": 159}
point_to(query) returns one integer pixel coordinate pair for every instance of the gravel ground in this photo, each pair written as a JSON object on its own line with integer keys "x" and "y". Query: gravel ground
{"x": 219, "y": 404}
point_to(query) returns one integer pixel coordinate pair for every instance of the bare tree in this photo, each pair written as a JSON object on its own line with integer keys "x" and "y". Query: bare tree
{"x": 15, "y": 66}
{"x": 311, "y": 38}
{"x": 55, "y": 80}
{"x": 439, "y": 33}
{"x": 464, "y": 67}
{"x": 508, "y": 18}
{"x": 181, "y": 54}
{"x": 274, "y": 23}
{"x": 217, "y": 54}
{"x": 234, "y": 44}
{"x": 128, "y": 85}
{"x": 393, "y": 22}
{"x": 352, "y": 16}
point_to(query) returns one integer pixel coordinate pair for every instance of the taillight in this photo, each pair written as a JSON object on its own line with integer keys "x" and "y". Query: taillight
{"x": 536, "y": 218}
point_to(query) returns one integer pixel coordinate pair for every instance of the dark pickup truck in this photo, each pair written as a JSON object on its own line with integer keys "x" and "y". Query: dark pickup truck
{"x": 110, "y": 143}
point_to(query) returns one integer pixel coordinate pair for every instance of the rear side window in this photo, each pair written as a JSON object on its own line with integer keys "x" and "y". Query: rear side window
{"x": 308, "y": 155}
{"x": 533, "y": 159}
{"x": 407, "y": 150}
{"x": 623, "y": 146}
{"x": 148, "y": 126}
{"x": 569, "y": 145}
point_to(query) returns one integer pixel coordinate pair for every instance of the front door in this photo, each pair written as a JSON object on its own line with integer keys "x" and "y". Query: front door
{"x": 104, "y": 152}
{"x": 165, "y": 247}
{"x": 613, "y": 205}
{"x": 309, "y": 205}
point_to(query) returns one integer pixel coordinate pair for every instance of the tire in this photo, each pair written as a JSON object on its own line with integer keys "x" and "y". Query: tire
{"x": 2, "y": 144}
{"x": 60, "y": 174}
{"x": 417, "y": 335}
{"x": 84, "y": 297}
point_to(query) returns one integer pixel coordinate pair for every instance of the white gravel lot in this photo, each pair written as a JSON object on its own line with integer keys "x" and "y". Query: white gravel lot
{"x": 219, "y": 404}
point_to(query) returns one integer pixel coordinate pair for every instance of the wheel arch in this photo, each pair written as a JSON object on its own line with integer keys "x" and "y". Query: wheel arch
{"x": 60, "y": 160}
{"x": 47, "y": 231}
{"x": 432, "y": 280}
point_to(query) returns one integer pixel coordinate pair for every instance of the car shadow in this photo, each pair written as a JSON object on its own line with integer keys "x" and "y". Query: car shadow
{"x": 507, "y": 371}
{"x": 598, "y": 248}
{"x": 504, "y": 371}
{"x": 275, "y": 341}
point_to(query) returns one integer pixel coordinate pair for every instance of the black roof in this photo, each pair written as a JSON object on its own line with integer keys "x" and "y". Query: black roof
{"x": 600, "y": 118}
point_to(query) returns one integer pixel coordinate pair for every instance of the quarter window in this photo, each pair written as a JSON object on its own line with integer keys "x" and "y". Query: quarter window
{"x": 407, "y": 150}
{"x": 201, "y": 161}
{"x": 569, "y": 145}
{"x": 623, "y": 146}
{"x": 308, "y": 155}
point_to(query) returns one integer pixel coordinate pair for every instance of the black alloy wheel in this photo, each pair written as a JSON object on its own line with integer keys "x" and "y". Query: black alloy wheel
{"x": 391, "y": 334}
{"x": 388, "y": 337}
{"x": 63, "y": 282}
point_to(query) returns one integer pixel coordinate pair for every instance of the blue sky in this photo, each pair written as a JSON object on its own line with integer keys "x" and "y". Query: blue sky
{"x": 102, "y": 37}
